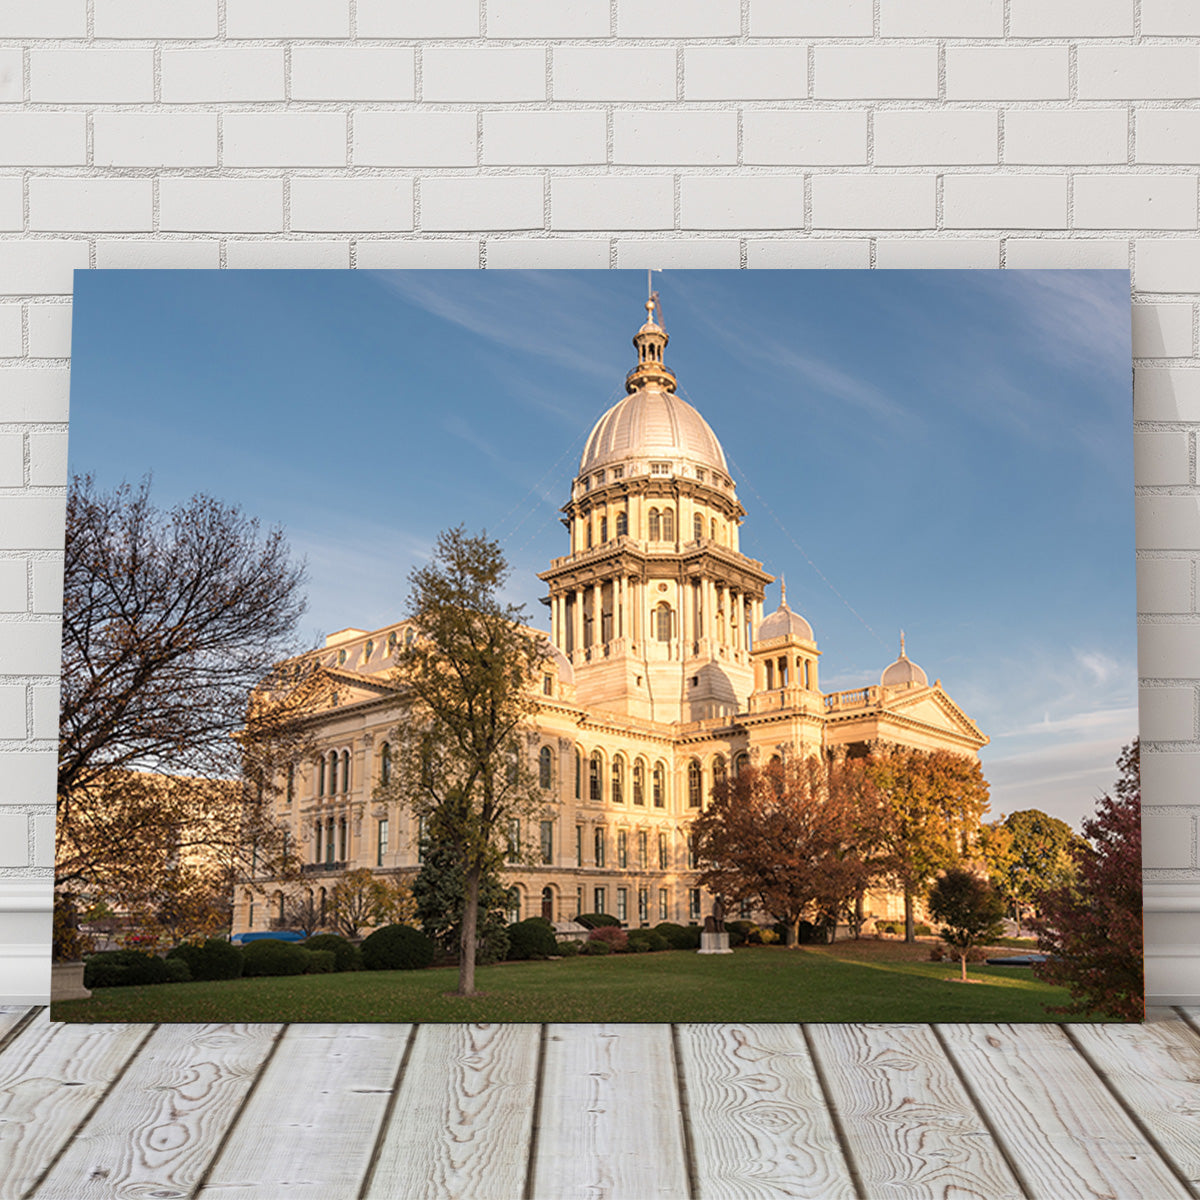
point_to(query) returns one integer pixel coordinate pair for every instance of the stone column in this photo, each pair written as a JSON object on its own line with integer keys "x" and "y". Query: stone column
{"x": 597, "y": 614}
{"x": 578, "y": 619}
{"x": 619, "y": 604}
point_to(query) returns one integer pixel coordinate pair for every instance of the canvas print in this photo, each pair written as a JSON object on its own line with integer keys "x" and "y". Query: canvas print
{"x": 599, "y": 646}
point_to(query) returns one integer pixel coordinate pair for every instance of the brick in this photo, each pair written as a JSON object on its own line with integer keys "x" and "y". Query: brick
{"x": 612, "y": 202}
{"x": 12, "y": 460}
{"x": 653, "y": 19}
{"x": 381, "y": 254}
{"x": 745, "y": 73}
{"x": 547, "y": 252}
{"x": 10, "y": 331}
{"x": 875, "y": 72}
{"x": 952, "y": 136}
{"x": 1135, "y": 201}
{"x": 1004, "y": 202}
{"x": 91, "y": 76}
{"x": 786, "y": 137}
{"x": 490, "y": 202}
{"x": 48, "y": 459}
{"x": 1138, "y": 72}
{"x": 1166, "y": 394}
{"x": 1006, "y": 73}
{"x": 32, "y": 522}
{"x": 40, "y": 267}
{"x": 29, "y": 647}
{"x": 1168, "y": 651}
{"x": 353, "y": 73}
{"x": 489, "y": 75}
{"x": 14, "y": 586}
{"x": 938, "y": 254}
{"x": 47, "y": 585}
{"x": 155, "y": 19}
{"x": 287, "y": 18}
{"x": 45, "y": 710}
{"x": 873, "y": 202}
{"x": 28, "y": 776}
{"x": 613, "y": 73}
{"x": 1047, "y": 136}
{"x": 941, "y": 18}
{"x": 1072, "y": 18}
{"x": 284, "y": 140}
{"x": 689, "y": 254}
{"x": 1161, "y": 458}
{"x": 811, "y": 18}
{"x": 1170, "y": 18}
{"x": 11, "y": 204}
{"x": 1065, "y": 253}
{"x": 12, "y": 76}
{"x": 158, "y": 253}
{"x": 1167, "y": 714}
{"x": 547, "y": 138}
{"x": 171, "y": 139}
{"x": 1164, "y": 585}
{"x": 1167, "y": 135}
{"x": 216, "y": 76}
{"x": 92, "y": 205}
{"x": 14, "y": 839}
{"x": 1162, "y": 330}
{"x": 1167, "y": 523}
{"x": 809, "y": 253}
{"x": 12, "y": 715}
{"x": 352, "y": 205}
{"x": 415, "y": 139}
{"x": 1168, "y": 842}
{"x": 548, "y": 19}
{"x": 1167, "y": 265}
{"x": 220, "y": 205}
{"x": 277, "y": 256}
{"x": 45, "y": 19}
{"x": 43, "y": 139}
{"x": 31, "y": 394}
{"x": 648, "y": 138}
{"x": 43, "y": 834}
{"x": 418, "y": 18}
{"x": 732, "y": 202}
{"x": 49, "y": 330}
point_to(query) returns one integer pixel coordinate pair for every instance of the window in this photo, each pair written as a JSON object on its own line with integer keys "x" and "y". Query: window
{"x": 382, "y": 845}
{"x": 639, "y": 782}
{"x": 746, "y": 909}
{"x": 578, "y": 773}
{"x": 643, "y": 905}
{"x": 663, "y": 906}
{"x": 691, "y": 851}
{"x": 392, "y": 640}
{"x": 622, "y": 524}
{"x": 341, "y": 658}
{"x": 579, "y": 845}
{"x": 662, "y": 622}
{"x": 718, "y": 770}
{"x": 694, "y": 904}
{"x": 622, "y": 905}
{"x": 598, "y": 478}
{"x": 317, "y": 843}
{"x": 655, "y": 525}
{"x": 513, "y": 837}
{"x": 422, "y": 840}
{"x": 740, "y": 762}
{"x": 547, "y": 839}
{"x": 547, "y": 685}
{"x": 643, "y": 849}
{"x": 598, "y": 900}
{"x": 660, "y": 468}
{"x": 342, "y": 840}
{"x": 408, "y": 637}
{"x": 712, "y": 528}
{"x": 622, "y": 849}
{"x": 700, "y": 474}
{"x": 599, "y": 847}
{"x": 663, "y": 857}
{"x": 657, "y": 786}
{"x": 329, "y": 846}
{"x": 291, "y": 782}
{"x": 368, "y": 650}
{"x": 695, "y": 786}
{"x": 345, "y": 770}
{"x": 618, "y": 472}
{"x": 514, "y": 905}
{"x": 618, "y": 780}
{"x": 385, "y": 764}
{"x": 668, "y": 525}
{"x": 604, "y": 529}
{"x": 578, "y": 900}
{"x": 250, "y": 909}
{"x": 697, "y": 526}
{"x": 333, "y": 762}
{"x": 594, "y": 783}
{"x": 544, "y": 758}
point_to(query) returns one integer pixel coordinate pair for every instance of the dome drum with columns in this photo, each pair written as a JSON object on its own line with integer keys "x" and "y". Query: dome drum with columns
{"x": 664, "y": 677}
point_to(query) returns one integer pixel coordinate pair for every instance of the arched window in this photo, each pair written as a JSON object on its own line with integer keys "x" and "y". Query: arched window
{"x": 807, "y": 675}
{"x": 664, "y": 858}
{"x": 622, "y": 524}
{"x": 321, "y": 776}
{"x": 695, "y": 785}
{"x": 718, "y": 770}
{"x": 330, "y": 848}
{"x": 783, "y": 672}
{"x": 604, "y": 529}
{"x": 657, "y": 785}
{"x": 618, "y": 780}
{"x": 639, "y": 782}
{"x": 408, "y": 637}
{"x": 740, "y": 762}
{"x": 345, "y": 770}
{"x": 712, "y": 526}
{"x": 578, "y": 774}
{"x": 333, "y": 765}
{"x": 668, "y": 525}
{"x": 317, "y": 842}
{"x": 544, "y": 767}
{"x": 385, "y": 764}
{"x": 770, "y": 665}
{"x": 598, "y": 845}
{"x": 392, "y": 640}
{"x": 697, "y": 526}
{"x": 342, "y": 840}
{"x": 662, "y": 622}
{"x": 514, "y": 905}
{"x": 655, "y": 525}
{"x": 595, "y": 783}
{"x": 368, "y": 650}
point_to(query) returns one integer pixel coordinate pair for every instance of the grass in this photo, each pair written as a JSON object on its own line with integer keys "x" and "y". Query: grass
{"x": 848, "y": 981}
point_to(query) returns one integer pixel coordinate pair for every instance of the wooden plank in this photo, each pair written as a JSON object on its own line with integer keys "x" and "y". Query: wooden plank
{"x": 323, "y": 1096}
{"x": 159, "y": 1127}
{"x": 909, "y": 1124}
{"x": 1064, "y": 1133}
{"x": 10, "y": 1017}
{"x": 1155, "y": 1070}
{"x": 461, "y": 1122}
{"x": 610, "y": 1121}
{"x": 51, "y": 1075}
{"x": 757, "y": 1115}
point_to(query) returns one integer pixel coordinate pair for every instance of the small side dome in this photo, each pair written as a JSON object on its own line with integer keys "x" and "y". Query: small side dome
{"x": 566, "y": 672}
{"x": 903, "y": 672}
{"x": 784, "y": 623}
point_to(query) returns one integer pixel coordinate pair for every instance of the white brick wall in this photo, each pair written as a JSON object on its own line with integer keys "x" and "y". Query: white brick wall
{"x": 584, "y": 133}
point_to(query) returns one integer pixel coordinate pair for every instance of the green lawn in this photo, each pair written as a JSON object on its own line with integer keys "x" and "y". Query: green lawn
{"x": 867, "y": 981}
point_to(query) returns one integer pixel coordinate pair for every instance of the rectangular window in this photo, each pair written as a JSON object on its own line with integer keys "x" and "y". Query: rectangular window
{"x": 660, "y": 468}
{"x": 547, "y": 685}
{"x": 579, "y": 846}
{"x": 383, "y": 841}
{"x": 547, "y": 841}
{"x": 643, "y": 904}
{"x": 663, "y": 906}
{"x": 693, "y": 904}
{"x": 643, "y": 850}
{"x": 598, "y": 900}
{"x": 578, "y": 900}
{"x": 622, "y": 849}
{"x": 622, "y": 905}
{"x": 513, "y": 837}
{"x": 663, "y": 859}
{"x": 599, "y": 848}
{"x": 420, "y": 839}
{"x": 691, "y": 851}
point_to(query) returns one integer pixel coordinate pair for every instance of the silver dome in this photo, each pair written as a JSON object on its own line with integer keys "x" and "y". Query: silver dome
{"x": 782, "y": 623}
{"x": 651, "y": 423}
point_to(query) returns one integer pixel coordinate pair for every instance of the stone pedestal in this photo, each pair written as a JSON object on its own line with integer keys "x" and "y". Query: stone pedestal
{"x": 66, "y": 982}
{"x": 714, "y": 943}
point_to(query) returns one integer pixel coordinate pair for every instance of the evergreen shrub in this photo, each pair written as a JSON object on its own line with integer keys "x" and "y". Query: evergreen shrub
{"x": 595, "y": 948}
{"x": 346, "y": 955}
{"x": 319, "y": 962}
{"x": 679, "y": 937}
{"x": 567, "y": 949}
{"x": 124, "y": 968}
{"x": 213, "y": 959}
{"x": 738, "y": 931}
{"x": 532, "y": 938}
{"x": 177, "y": 971}
{"x": 269, "y": 956}
{"x": 397, "y": 948}
{"x": 596, "y": 920}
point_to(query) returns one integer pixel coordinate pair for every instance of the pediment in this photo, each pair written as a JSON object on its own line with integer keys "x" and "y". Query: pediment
{"x": 931, "y": 706}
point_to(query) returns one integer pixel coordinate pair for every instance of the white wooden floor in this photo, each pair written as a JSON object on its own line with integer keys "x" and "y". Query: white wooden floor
{"x": 599, "y": 1112}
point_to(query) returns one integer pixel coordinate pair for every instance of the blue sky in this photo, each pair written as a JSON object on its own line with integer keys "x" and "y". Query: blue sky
{"x": 947, "y": 453}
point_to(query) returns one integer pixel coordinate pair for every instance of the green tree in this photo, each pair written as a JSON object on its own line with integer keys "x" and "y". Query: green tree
{"x": 466, "y": 694}
{"x": 1041, "y": 858}
{"x": 438, "y": 893}
{"x": 970, "y": 909}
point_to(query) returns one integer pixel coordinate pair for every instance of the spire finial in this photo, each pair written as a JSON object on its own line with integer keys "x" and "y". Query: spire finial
{"x": 783, "y": 591}
{"x": 902, "y": 654}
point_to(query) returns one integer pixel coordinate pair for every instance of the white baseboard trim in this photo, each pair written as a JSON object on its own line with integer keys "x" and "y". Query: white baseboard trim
{"x": 24, "y": 974}
{"x": 1172, "y": 1001}
{"x": 26, "y": 895}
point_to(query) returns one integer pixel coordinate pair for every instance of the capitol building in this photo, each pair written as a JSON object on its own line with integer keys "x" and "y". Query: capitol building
{"x": 665, "y": 675}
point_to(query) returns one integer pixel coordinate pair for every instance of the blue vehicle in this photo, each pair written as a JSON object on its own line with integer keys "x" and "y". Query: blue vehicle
{"x": 280, "y": 935}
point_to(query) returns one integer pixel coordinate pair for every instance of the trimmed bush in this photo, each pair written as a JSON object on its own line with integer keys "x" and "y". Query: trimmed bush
{"x": 346, "y": 955}
{"x": 269, "y": 956}
{"x": 641, "y": 940}
{"x": 214, "y": 959}
{"x": 738, "y": 931}
{"x": 679, "y": 937}
{"x": 124, "y": 968}
{"x": 177, "y": 971}
{"x": 533, "y": 938}
{"x": 595, "y": 948}
{"x": 920, "y": 929}
{"x": 614, "y": 935}
{"x": 596, "y": 920}
{"x": 397, "y": 948}
{"x": 567, "y": 949}
{"x": 319, "y": 962}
